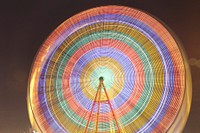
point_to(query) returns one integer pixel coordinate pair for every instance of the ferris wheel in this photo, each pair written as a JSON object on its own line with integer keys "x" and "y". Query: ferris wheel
{"x": 110, "y": 69}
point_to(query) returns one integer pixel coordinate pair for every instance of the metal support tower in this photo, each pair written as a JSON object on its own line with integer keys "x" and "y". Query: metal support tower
{"x": 98, "y": 95}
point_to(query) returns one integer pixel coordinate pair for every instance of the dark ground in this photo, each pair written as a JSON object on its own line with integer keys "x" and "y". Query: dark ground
{"x": 25, "y": 24}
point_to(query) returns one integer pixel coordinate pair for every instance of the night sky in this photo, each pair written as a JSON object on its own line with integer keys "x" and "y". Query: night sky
{"x": 25, "y": 24}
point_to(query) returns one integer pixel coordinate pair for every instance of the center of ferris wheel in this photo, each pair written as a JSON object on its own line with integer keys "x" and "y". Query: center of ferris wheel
{"x": 102, "y": 74}
{"x": 112, "y": 72}
{"x": 101, "y": 84}
{"x": 101, "y": 79}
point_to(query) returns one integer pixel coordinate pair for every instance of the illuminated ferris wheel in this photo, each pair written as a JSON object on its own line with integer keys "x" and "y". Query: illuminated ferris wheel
{"x": 110, "y": 69}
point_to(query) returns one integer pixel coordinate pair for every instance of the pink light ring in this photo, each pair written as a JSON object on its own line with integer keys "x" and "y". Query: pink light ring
{"x": 115, "y": 9}
{"x": 95, "y": 44}
{"x": 176, "y": 100}
{"x": 103, "y": 52}
{"x": 53, "y": 121}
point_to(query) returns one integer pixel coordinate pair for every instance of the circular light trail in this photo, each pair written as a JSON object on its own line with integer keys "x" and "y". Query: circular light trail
{"x": 109, "y": 69}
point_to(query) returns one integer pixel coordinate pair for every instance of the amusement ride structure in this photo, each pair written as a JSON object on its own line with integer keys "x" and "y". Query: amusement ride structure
{"x": 110, "y": 69}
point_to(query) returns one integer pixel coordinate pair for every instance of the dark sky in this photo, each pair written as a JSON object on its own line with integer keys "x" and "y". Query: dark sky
{"x": 25, "y": 24}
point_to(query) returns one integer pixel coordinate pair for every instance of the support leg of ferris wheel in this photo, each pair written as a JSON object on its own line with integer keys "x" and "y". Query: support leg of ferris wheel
{"x": 98, "y": 94}
{"x": 111, "y": 108}
{"x": 91, "y": 111}
{"x": 98, "y": 109}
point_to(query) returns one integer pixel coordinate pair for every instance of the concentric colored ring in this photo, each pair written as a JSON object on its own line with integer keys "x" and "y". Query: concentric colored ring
{"x": 142, "y": 65}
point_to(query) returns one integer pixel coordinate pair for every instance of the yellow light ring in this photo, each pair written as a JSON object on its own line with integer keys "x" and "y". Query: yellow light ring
{"x": 111, "y": 64}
